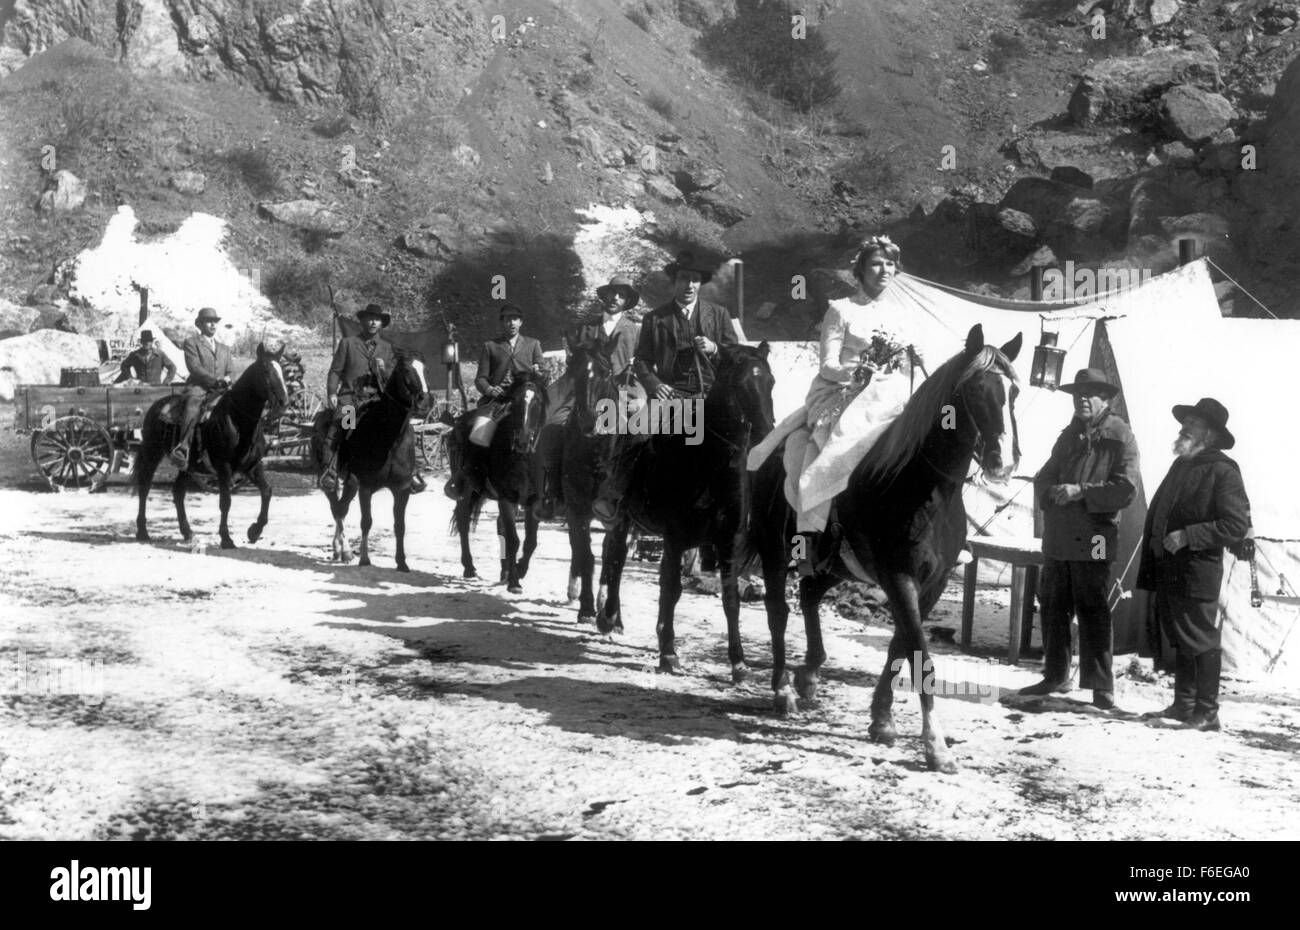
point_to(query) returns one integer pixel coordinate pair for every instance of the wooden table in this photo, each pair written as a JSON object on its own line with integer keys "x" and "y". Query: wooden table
{"x": 1025, "y": 555}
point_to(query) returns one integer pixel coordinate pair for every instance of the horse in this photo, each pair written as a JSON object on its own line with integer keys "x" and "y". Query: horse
{"x": 903, "y": 520}
{"x": 694, "y": 489}
{"x": 378, "y": 453}
{"x": 582, "y": 465}
{"x": 506, "y": 474}
{"x": 231, "y": 439}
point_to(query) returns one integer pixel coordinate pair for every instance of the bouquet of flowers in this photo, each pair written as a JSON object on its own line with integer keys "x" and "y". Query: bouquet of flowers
{"x": 884, "y": 354}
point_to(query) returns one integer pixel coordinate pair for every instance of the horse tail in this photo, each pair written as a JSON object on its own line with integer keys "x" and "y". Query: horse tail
{"x": 152, "y": 437}
{"x": 474, "y": 513}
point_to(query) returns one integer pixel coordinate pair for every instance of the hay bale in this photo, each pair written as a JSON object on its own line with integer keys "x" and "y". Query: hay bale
{"x": 37, "y": 357}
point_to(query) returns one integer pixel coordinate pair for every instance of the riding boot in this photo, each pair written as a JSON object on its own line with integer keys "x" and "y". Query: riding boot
{"x": 329, "y": 479}
{"x": 1209, "y": 666}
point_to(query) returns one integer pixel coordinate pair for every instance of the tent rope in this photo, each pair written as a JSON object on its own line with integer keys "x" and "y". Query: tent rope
{"x": 1210, "y": 262}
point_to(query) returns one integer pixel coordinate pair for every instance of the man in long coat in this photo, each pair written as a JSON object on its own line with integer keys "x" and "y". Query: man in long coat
{"x": 1090, "y": 476}
{"x": 676, "y": 355}
{"x": 1199, "y": 509}
{"x": 211, "y": 368}
{"x": 361, "y": 365}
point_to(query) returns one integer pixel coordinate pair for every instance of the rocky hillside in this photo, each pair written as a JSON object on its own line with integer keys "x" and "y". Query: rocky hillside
{"x": 423, "y": 154}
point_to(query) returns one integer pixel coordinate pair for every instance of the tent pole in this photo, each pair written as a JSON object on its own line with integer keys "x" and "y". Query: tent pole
{"x": 1186, "y": 251}
{"x": 1036, "y": 283}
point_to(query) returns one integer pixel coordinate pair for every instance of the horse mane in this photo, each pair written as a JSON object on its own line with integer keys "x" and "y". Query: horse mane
{"x": 902, "y": 439}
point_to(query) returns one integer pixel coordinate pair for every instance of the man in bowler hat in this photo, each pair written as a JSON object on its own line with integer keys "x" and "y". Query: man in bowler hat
{"x": 1199, "y": 509}
{"x": 1090, "y": 476}
{"x": 211, "y": 368}
{"x": 146, "y": 363}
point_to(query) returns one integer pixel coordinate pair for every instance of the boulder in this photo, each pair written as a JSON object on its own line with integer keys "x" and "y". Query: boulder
{"x": 1017, "y": 223}
{"x": 1041, "y": 257}
{"x": 663, "y": 189}
{"x": 37, "y": 357}
{"x": 693, "y": 179}
{"x": 1163, "y": 11}
{"x": 1068, "y": 174}
{"x": 1152, "y": 199}
{"x": 15, "y": 317}
{"x": 1176, "y": 153}
{"x": 1117, "y": 89}
{"x": 722, "y": 205}
{"x": 189, "y": 182}
{"x": 1193, "y": 115}
{"x": 1072, "y": 220}
{"x": 65, "y": 193}
{"x": 309, "y": 215}
{"x": 594, "y": 146}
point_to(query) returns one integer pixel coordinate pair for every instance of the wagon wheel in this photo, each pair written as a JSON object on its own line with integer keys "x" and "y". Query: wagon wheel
{"x": 433, "y": 447}
{"x": 74, "y": 452}
{"x": 303, "y": 406}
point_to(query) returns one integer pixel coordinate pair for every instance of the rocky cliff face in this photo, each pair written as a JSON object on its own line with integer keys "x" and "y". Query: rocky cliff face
{"x": 363, "y": 54}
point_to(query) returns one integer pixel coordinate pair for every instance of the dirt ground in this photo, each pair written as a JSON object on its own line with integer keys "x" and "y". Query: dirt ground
{"x": 158, "y": 691}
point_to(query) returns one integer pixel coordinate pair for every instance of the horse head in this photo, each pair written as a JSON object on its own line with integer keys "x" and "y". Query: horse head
{"x": 407, "y": 386}
{"x": 270, "y": 385}
{"x": 745, "y": 381}
{"x": 593, "y": 385}
{"x": 988, "y": 391}
{"x": 527, "y": 401}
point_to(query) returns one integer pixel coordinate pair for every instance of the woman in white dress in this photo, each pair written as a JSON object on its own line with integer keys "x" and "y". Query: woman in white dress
{"x": 862, "y": 381}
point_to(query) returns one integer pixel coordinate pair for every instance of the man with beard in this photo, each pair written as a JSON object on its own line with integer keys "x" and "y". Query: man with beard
{"x": 1199, "y": 508}
{"x": 1091, "y": 475}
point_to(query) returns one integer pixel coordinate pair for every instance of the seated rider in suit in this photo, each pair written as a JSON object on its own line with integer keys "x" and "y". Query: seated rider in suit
{"x": 676, "y": 355}
{"x": 510, "y": 354}
{"x": 146, "y": 363}
{"x": 211, "y": 368}
{"x": 361, "y": 366}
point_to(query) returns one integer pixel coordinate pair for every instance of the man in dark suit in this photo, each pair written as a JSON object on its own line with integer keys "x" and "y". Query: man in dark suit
{"x": 146, "y": 363}
{"x": 1199, "y": 508}
{"x": 357, "y": 374}
{"x": 1090, "y": 476}
{"x": 502, "y": 359}
{"x": 211, "y": 368}
{"x": 676, "y": 355}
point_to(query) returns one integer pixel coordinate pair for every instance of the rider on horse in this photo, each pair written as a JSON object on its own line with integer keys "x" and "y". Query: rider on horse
{"x": 503, "y": 358}
{"x": 211, "y": 368}
{"x": 675, "y": 357}
{"x": 361, "y": 366}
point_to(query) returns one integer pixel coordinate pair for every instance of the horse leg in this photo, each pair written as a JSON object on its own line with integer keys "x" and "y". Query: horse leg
{"x": 581, "y": 564}
{"x": 339, "y": 508}
{"x": 144, "y": 471}
{"x": 613, "y": 556}
{"x": 910, "y": 640}
{"x": 224, "y": 476}
{"x": 464, "y": 508}
{"x": 400, "y": 498}
{"x": 811, "y": 591}
{"x": 670, "y": 590}
{"x": 264, "y": 486}
{"x": 367, "y": 521}
{"x": 178, "y": 498}
{"x": 508, "y": 537}
{"x": 531, "y": 522}
{"x": 723, "y": 556}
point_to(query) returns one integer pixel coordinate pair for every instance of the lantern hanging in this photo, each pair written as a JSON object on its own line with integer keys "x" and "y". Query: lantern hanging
{"x": 1048, "y": 359}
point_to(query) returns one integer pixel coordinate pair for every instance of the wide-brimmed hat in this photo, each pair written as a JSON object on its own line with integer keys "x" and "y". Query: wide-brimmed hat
{"x": 686, "y": 262}
{"x": 207, "y": 313}
{"x": 146, "y": 335}
{"x": 1091, "y": 381}
{"x": 1213, "y": 413}
{"x": 376, "y": 311}
{"x": 620, "y": 283}
{"x": 510, "y": 310}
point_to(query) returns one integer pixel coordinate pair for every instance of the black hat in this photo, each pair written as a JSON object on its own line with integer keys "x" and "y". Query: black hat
{"x": 686, "y": 262}
{"x": 511, "y": 310}
{"x": 1213, "y": 413}
{"x": 1091, "y": 381}
{"x": 146, "y": 335}
{"x": 376, "y": 311}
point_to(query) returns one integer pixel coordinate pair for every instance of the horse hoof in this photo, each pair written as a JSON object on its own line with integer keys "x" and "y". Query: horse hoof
{"x": 883, "y": 732}
{"x": 805, "y": 682}
{"x": 785, "y": 703}
{"x": 363, "y": 561}
{"x": 515, "y": 589}
{"x": 942, "y": 764}
{"x": 469, "y": 573}
{"x": 228, "y": 544}
{"x": 403, "y": 567}
{"x": 669, "y": 665}
{"x": 254, "y": 533}
{"x": 521, "y": 569}
{"x": 739, "y": 672}
{"x": 142, "y": 537}
{"x": 587, "y": 617}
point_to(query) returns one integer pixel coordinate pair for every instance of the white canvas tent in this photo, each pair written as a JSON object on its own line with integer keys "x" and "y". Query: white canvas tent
{"x": 1161, "y": 340}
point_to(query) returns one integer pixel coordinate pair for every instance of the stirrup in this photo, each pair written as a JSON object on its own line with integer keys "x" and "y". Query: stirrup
{"x": 329, "y": 481}
{"x": 180, "y": 456}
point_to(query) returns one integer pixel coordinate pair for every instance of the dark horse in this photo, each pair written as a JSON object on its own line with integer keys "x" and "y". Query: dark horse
{"x": 584, "y": 452}
{"x": 505, "y": 472}
{"x": 231, "y": 439}
{"x": 903, "y": 520}
{"x": 378, "y": 453}
{"x": 694, "y": 490}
